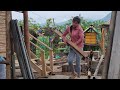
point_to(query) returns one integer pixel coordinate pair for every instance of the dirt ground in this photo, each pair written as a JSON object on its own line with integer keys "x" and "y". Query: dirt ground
{"x": 57, "y": 71}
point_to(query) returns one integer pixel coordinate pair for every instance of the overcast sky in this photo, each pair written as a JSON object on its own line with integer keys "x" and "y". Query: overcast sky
{"x": 60, "y": 16}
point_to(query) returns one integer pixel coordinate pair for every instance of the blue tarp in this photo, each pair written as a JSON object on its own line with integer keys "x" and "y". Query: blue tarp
{"x": 2, "y": 69}
{"x": 1, "y": 59}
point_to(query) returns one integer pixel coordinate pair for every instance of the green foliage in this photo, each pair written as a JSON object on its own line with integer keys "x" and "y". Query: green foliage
{"x": 32, "y": 24}
{"x": 49, "y": 33}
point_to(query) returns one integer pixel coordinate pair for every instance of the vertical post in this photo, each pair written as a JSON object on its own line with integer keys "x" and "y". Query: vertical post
{"x": 8, "y": 44}
{"x": 109, "y": 47}
{"x": 42, "y": 55}
{"x": 51, "y": 59}
{"x": 26, "y": 32}
{"x": 103, "y": 41}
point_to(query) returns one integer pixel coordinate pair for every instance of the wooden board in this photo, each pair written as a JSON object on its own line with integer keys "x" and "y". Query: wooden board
{"x": 8, "y": 44}
{"x": 72, "y": 44}
{"x": 114, "y": 67}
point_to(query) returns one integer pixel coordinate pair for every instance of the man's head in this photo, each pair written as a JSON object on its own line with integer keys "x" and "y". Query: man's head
{"x": 75, "y": 21}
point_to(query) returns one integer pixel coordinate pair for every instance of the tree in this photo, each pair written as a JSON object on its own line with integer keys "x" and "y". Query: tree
{"x": 32, "y": 24}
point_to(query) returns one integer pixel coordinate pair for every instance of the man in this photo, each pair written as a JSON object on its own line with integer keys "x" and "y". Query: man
{"x": 77, "y": 36}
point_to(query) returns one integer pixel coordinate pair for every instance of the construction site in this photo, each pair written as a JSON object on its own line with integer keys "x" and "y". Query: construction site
{"x": 24, "y": 56}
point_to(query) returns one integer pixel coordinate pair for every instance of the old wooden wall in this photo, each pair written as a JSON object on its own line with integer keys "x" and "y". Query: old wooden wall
{"x": 5, "y": 50}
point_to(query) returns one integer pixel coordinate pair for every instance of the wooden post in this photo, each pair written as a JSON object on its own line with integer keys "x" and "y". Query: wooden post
{"x": 103, "y": 41}
{"x": 114, "y": 64}
{"x": 26, "y": 32}
{"x": 109, "y": 47}
{"x": 51, "y": 59}
{"x": 8, "y": 44}
{"x": 42, "y": 55}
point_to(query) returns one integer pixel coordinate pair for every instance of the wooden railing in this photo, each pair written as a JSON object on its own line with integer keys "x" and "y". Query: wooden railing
{"x": 42, "y": 55}
{"x": 42, "y": 58}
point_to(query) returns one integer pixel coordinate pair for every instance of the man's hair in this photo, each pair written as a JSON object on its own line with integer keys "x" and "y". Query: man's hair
{"x": 77, "y": 19}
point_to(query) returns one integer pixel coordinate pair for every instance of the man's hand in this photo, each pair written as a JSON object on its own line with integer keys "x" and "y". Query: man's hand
{"x": 65, "y": 41}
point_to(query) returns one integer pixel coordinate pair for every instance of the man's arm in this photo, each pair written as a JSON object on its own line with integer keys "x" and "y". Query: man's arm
{"x": 64, "y": 34}
{"x": 81, "y": 34}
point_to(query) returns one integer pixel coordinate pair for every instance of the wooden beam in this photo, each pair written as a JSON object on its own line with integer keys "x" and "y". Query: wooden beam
{"x": 109, "y": 47}
{"x": 114, "y": 66}
{"x": 26, "y": 32}
{"x": 72, "y": 44}
{"x": 98, "y": 66}
{"x": 51, "y": 59}
{"x": 8, "y": 44}
{"x": 42, "y": 55}
{"x": 2, "y": 51}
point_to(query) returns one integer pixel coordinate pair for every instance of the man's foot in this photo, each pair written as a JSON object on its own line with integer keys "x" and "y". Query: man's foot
{"x": 73, "y": 76}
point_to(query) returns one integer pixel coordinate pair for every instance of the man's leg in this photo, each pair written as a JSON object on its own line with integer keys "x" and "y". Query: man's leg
{"x": 78, "y": 58}
{"x": 78, "y": 67}
{"x": 71, "y": 57}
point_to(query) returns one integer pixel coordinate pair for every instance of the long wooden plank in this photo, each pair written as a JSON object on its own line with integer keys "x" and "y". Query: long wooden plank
{"x": 41, "y": 42}
{"x": 72, "y": 44}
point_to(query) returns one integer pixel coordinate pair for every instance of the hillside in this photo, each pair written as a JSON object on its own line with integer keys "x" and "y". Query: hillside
{"x": 106, "y": 18}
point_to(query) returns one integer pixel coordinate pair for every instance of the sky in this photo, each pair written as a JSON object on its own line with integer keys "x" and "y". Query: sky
{"x": 60, "y": 16}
